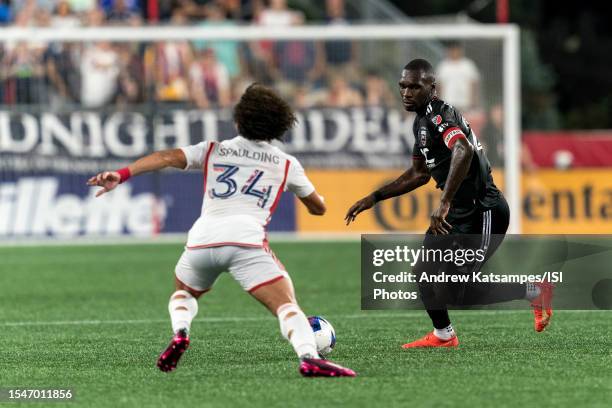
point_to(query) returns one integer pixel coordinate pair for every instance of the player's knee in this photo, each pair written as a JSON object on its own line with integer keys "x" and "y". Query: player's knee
{"x": 275, "y": 297}
{"x": 181, "y": 288}
{"x": 181, "y": 294}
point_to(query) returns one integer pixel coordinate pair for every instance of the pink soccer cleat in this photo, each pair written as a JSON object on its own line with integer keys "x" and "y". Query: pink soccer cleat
{"x": 168, "y": 360}
{"x": 317, "y": 367}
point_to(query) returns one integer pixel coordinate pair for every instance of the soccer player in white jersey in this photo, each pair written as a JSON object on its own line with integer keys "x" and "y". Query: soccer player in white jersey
{"x": 244, "y": 178}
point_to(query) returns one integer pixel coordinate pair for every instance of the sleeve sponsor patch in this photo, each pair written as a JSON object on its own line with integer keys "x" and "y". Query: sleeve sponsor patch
{"x": 451, "y": 135}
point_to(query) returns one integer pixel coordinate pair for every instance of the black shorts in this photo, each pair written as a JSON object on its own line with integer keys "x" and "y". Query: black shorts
{"x": 488, "y": 225}
{"x": 482, "y": 230}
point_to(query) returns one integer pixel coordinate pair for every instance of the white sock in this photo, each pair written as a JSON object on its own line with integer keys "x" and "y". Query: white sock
{"x": 183, "y": 307}
{"x": 446, "y": 333}
{"x": 295, "y": 328}
{"x": 532, "y": 291}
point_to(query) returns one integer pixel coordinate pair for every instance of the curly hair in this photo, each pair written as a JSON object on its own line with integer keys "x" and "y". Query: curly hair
{"x": 263, "y": 115}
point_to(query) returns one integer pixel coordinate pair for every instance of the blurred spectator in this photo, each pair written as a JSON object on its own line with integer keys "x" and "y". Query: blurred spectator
{"x": 167, "y": 64}
{"x": 458, "y": 79}
{"x": 121, "y": 11}
{"x": 193, "y": 9}
{"x": 6, "y": 14}
{"x": 82, "y": 6}
{"x": 297, "y": 61}
{"x": 99, "y": 74}
{"x": 126, "y": 6}
{"x": 226, "y": 52}
{"x": 158, "y": 10}
{"x": 302, "y": 97}
{"x": 250, "y": 10}
{"x": 166, "y": 67}
{"x": 377, "y": 91}
{"x": 238, "y": 87}
{"x": 339, "y": 94}
{"x": 63, "y": 78}
{"x": 492, "y": 139}
{"x": 279, "y": 14}
{"x": 492, "y": 135}
{"x": 24, "y": 74}
{"x": 64, "y": 17}
{"x": 131, "y": 71}
{"x": 20, "y": 5}
{"x": 23, "y": 64}
{"x": 237, "y": 9}
{"x": 94, "y": 17}
{"x": 210, "y": 81}
{"x": 340, "y": 55}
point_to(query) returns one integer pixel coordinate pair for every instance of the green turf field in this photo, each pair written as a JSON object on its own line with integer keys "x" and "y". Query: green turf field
{"x": 94, "y": 318}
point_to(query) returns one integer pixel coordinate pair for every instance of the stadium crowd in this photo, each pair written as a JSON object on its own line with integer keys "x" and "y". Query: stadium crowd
{"x": 200, "y": 73}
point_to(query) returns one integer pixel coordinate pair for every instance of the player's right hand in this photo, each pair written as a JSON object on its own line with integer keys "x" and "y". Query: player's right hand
{"x": 108, "y": 180}
{"x": 364, "y": 204}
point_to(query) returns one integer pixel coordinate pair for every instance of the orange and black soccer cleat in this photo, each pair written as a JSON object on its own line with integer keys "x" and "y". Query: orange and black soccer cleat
{"x": 542, "y": 306}
{"x": 430, "y": 340}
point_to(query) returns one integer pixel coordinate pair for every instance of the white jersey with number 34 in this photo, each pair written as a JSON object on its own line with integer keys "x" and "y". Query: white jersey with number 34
{"x": 243, "y": 182}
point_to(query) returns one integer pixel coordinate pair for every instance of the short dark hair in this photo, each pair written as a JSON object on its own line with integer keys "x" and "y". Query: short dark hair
{"x": 423, "y": 66}
{"x": 263, "y": 115}
{"x": 419, "y": 65}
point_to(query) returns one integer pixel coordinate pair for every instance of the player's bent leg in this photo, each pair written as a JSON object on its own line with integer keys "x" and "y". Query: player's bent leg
{"x": 190, "y": 283}
{"x": 443, "y": 334}
{"x": 278, "y": 297}
{"x": 183, "y": 307}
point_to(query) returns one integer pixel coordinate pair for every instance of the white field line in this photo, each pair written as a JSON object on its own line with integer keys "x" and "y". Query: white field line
{"x": 404, "y": 315}
{"x": 170, "y": 238}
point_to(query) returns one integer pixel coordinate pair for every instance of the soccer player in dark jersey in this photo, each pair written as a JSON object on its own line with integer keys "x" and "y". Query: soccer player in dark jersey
{"x": 471, "y": 206}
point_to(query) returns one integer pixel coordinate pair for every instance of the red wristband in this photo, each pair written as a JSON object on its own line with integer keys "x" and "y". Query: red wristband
{"x": 124, "y": 174}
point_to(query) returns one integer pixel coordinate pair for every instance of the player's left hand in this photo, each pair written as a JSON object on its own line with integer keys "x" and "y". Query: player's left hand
{"x": 108, "y": 180}
{"x": 439, "y": 225}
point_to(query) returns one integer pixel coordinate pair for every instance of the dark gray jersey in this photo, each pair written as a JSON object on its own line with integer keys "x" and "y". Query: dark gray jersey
{"x": 435, "y": 133}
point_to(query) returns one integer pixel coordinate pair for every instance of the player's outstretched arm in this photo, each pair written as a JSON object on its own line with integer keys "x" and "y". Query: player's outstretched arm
{"x": 108, "y": 180}
{"x": 459, "y": 167}
{"x": 315, "y": 203}
{"x": 413, "y": 178}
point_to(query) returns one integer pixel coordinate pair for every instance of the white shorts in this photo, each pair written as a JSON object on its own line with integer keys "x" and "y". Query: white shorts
{"x": 252, "y": 268}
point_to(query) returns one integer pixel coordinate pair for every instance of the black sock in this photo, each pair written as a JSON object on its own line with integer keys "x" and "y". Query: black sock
{"x": 439, "y": 318}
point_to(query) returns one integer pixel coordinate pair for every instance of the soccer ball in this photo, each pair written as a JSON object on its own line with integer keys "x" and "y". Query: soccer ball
{"x": 325, "y": 335}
